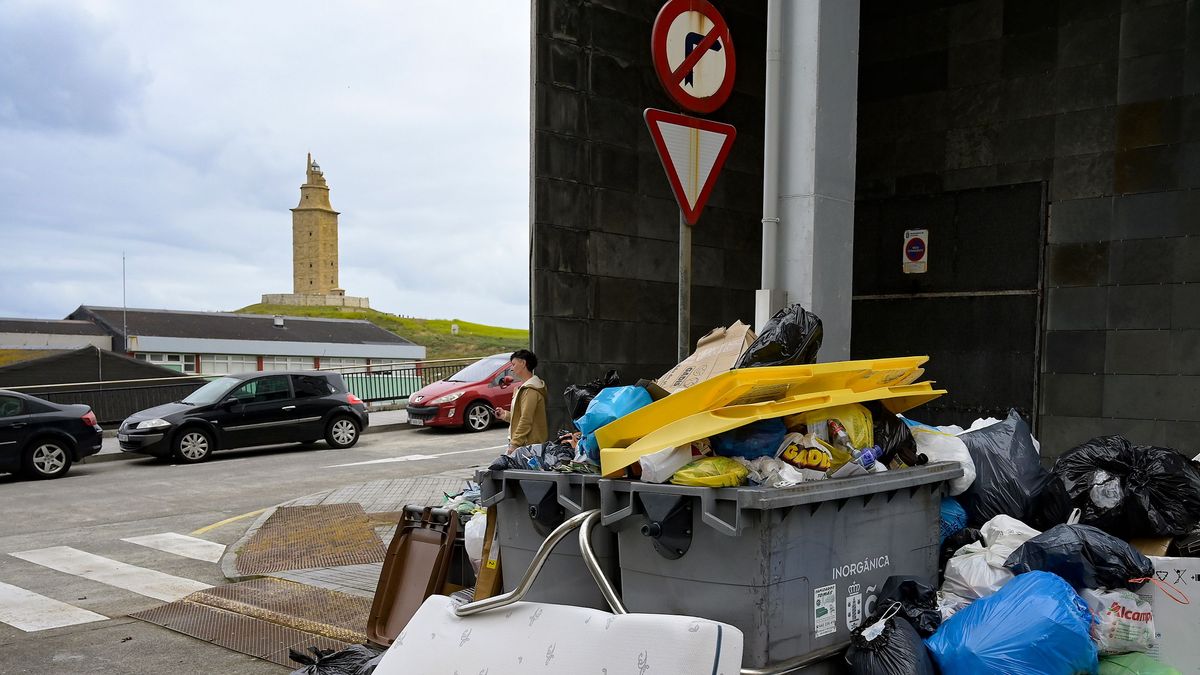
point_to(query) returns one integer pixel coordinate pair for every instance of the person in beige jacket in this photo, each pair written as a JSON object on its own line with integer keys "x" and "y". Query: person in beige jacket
{"x": 527, "y": 419}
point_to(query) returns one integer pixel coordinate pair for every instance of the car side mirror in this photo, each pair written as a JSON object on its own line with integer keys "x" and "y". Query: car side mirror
{"x": 506, "y": 381}
{"x": 229, "y": 402}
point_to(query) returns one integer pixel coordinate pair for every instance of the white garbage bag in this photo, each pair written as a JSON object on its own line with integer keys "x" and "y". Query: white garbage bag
{"x": 473, "y": 539}
{"x": 1124, "y": 622}
{"x": 943, "y": 447}
{"x": 977, "y": 570}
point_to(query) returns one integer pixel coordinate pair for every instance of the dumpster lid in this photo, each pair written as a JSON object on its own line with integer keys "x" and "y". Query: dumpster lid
{"x": 682, "y": 431}
{"x": 756, "y": 385}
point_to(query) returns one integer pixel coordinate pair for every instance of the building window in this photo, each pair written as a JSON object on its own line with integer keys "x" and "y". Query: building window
{"x": 227, "y": 364}
{"x": 287, "y": 363}
{"x": 180, "y": 363}
{"x": 328, "y": 362}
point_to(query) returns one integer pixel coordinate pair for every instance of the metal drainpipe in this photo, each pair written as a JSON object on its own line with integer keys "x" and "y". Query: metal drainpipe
{"x": 770, "y": 219}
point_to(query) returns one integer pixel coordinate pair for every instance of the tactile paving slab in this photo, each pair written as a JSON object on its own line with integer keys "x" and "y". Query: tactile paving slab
{"x": 300, "y": 537}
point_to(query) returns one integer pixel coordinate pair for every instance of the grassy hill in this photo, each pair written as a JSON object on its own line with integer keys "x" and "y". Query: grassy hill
{"x": 473, "y": 339}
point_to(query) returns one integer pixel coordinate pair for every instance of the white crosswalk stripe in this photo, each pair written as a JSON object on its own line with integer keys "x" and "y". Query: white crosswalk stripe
{"x": 140, "y": 580}
{"x": 28, "y": 611}
{"x": 181, "y": 545}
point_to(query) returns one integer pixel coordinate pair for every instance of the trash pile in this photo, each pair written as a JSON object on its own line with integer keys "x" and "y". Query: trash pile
{"x": 1080, "y": 568}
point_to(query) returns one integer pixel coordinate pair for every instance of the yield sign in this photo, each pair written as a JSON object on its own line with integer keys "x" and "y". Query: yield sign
{"x": 692, "y": 151}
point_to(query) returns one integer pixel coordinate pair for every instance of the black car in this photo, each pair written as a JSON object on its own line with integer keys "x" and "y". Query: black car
{"x": 238, "y": 411}
{"x": 40, "y": 439}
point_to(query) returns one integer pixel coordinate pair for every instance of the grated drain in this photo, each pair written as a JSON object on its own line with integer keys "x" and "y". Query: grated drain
{"x": 302, "y": 537}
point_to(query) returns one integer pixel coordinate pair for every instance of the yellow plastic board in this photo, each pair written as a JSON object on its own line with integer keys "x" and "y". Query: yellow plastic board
{"x": 898, "y": 399}
{"x": 756, "y": 385}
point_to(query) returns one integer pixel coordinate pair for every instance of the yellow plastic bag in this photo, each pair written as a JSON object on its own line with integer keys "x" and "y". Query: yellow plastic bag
{"x": 712, "y": 472}
{"x": 856, "y": 418}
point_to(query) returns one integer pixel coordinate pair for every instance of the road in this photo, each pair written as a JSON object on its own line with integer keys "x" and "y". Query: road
{"x": 65, "y": 540}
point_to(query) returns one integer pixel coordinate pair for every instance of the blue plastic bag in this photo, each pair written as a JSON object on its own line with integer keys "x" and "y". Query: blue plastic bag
{"x": 1036, "y": 623}
{"x": 609, "y": 405}
{"x": 757, "y": 439}
{"x": 954, "y": 517}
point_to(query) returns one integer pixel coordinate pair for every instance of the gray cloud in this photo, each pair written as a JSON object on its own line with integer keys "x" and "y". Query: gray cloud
{"x": 417, "y": 111}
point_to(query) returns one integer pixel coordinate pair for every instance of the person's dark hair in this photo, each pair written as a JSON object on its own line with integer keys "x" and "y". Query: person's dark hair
{"x": 527, "y": 356}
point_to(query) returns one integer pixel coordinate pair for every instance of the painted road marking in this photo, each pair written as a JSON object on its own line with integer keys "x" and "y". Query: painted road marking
{"x": 219, "y": 523}
{"x": 28, "y": 611}
{"x": 413, "y": 458}
{"x": 181, "y": 544}
{"x": 147, "y": 582}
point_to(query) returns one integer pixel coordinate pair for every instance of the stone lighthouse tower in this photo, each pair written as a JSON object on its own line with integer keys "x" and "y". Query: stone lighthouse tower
{"x": 315, "y": 238}
{"x": 315, "y": 248}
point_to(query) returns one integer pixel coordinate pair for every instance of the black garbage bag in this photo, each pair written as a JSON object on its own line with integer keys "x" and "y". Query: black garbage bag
{"x": 917, "y": 599}
{"x": 1008, "y": 472}
{"x": 898, "y": 650}
{"x": 580, "y": 395}
{"x": 353, "y": 660}
{"x": 893, "y": 437}
{"x": 1052, "y": 506}
{"x": 536, "y": 457}
{"x": 1131, "y": 490}
{"x": 790, "y": 338}
{"x": 1085, "y": 556}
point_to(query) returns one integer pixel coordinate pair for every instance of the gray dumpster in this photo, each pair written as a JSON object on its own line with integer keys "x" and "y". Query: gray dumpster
{"x": 529, "y": 504}
{"x": 796, "y": 569}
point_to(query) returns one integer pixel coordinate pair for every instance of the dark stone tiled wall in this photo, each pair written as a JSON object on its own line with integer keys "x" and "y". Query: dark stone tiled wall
{"x": 1100, "y": 99}
{"x": 605, "y": 226}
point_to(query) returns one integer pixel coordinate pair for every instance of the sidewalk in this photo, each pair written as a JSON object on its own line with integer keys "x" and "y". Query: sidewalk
{"x": 381, "y": 420}
{"x": 304, "y": 573}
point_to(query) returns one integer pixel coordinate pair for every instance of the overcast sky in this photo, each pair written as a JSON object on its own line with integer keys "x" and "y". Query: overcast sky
{"x": 177, "y": 132}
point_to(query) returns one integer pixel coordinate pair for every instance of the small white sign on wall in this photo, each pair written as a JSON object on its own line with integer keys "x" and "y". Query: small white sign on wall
{"x": 916, "y": 251}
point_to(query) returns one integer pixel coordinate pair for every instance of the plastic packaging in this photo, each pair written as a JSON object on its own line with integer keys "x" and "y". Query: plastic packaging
{"x": 610, "y": 404}
{"x": 888, "y": 646}
{"x": 942, "y": 447}
{"x": 772, "y": 472}
{"x": 1085, "y": 556}
{"x": 473, "y": 535}
{"x": 1009, "y": 473}
{"x": 1124, "y": 623}
{"x": 917, "y": 599}
{"x": 1131, "y": 490}
{"x": 953, "y": 518}
{"x": 977, "y": 570}
{"x": 1134, "y": 664}
{"x": 757, "y": 439}
{"x": 1035, "y": 624}
{"x": 854, "y": 418}
{"x": 711, "y": 472}
{"x": 658, "y": 467}
{"x": 578, "y": 396}
{"x": 804, "y": 453}
{"x": 791, "y": 337}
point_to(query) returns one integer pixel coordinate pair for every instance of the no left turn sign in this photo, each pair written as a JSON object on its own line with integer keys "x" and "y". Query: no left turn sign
{"x": 693, "y": 54}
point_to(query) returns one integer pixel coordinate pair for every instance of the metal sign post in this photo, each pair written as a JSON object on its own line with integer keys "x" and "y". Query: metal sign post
{"x": 695, "y": 62}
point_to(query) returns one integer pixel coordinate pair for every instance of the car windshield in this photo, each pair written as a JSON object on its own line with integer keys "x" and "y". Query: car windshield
{"x": 479, "y": 370}
{"x": 211, "y": 392}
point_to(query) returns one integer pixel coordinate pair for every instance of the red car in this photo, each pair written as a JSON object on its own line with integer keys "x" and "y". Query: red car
{"x": 466, "y": 399}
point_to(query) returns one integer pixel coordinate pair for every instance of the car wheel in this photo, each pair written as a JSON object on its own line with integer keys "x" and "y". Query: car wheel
{"x": 478, "y": 417}
{"x": 193, "y": 445}
{"x": 342, "y": 432}
{"x": 47, "y": 459}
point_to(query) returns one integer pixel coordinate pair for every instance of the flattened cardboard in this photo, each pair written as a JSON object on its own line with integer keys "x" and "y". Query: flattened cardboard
{"x": 715, "y": 354}
{"x": 1177, "y": 625}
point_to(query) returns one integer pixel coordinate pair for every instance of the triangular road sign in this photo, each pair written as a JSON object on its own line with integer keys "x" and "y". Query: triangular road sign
{"x": 692, "y": 151}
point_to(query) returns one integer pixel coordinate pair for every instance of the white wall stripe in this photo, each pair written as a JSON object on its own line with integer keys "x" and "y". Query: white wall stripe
{"x": 150, "y": 583}
{"x": 28, "y": 611}
{"x": 182, "y": 545}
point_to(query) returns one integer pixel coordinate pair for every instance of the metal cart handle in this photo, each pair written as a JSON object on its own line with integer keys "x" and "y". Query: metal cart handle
{"x": 585, "y": 521}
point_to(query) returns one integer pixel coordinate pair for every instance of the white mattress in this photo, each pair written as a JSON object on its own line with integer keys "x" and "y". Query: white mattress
{"x": 528, "y": 637}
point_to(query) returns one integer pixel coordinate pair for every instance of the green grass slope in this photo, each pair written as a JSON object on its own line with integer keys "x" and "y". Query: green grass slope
{"x": 473, "y": 339}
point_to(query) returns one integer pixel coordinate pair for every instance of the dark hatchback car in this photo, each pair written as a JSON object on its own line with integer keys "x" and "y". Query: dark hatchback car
{"x": 238, "y": 411}
{"x": 40, "y": 439}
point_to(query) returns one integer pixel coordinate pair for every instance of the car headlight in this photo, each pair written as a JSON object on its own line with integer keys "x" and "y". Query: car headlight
{"x": 153, "y": 424}
{"x": 448, "y": 398}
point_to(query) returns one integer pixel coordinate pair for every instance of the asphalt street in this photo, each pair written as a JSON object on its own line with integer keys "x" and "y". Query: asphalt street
{"x": 64, "y": 553}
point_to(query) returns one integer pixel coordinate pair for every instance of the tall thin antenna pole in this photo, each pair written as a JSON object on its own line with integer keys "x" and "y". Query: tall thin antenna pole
{"x": 124, "y": 308}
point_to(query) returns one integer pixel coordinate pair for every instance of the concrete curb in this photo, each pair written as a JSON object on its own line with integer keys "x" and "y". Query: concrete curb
{"x": 229, "y": 558}
{"x": 115, "y": 456}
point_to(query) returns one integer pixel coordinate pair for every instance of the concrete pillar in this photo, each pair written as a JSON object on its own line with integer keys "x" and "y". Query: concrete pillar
{"x": 818, "y": 103}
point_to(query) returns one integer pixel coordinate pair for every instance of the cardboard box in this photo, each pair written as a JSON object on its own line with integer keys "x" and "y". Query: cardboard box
{"x": 715, "y": 354}
{"x": 1177, "y": 625}
{"x": 1151, "y": 546}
